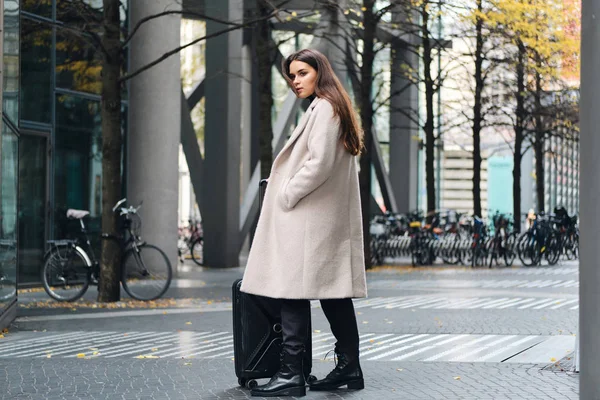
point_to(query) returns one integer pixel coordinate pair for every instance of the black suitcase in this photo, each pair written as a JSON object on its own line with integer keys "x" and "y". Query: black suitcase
{"x": 257, "y": 337}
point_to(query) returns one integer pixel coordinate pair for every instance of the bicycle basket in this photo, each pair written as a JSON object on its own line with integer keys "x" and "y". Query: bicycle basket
{"x": 134, "y": 223}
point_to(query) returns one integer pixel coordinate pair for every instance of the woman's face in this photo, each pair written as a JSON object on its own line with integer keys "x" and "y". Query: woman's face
{"x": 304, "y": 78}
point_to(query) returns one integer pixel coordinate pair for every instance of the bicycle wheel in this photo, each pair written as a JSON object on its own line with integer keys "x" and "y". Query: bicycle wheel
{"x": 198, "y": 251}
{"x": 510, "y": 249}
{"x": 66, "y": 274}
{"x": 146, "y": 272}
{"x": 529, "y": 249}
{"x": 552, "y": 252}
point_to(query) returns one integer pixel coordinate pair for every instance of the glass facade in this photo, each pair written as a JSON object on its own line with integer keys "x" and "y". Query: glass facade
{"x": 9, "y": 157}
{"x": 60, "y": 121}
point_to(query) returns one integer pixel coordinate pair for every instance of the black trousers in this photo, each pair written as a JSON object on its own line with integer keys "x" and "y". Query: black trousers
{"x": 295, "y": 317}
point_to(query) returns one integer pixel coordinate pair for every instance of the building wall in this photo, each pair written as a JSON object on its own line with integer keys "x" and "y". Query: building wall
{"x": 457, "y": 181}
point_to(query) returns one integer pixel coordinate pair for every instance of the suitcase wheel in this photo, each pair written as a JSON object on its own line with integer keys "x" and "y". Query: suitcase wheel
{"x": 251, "y": 384}
{"x": 311, "y": 378}
{"x": 242, "y": 382}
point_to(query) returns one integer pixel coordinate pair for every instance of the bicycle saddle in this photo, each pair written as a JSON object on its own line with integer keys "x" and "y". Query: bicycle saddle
{"x": 77, "y": 214}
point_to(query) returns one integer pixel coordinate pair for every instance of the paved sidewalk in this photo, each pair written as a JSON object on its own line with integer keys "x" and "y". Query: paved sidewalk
{"x": 431, "y": 333}
{"x": 213, "y": 379}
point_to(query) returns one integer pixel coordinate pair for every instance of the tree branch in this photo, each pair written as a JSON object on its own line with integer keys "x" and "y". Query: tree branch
{"x": 178, "y": 49}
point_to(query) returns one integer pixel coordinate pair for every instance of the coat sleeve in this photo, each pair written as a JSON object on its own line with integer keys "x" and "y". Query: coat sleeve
{"x": 323, "y": 141}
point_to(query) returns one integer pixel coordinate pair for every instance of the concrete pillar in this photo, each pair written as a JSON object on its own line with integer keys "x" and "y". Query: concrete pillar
{"x": 222, "y": 137}
{"x": 589, "y": 273}
{"x": 404, "y": 148}
{"x": 155, "y": 124}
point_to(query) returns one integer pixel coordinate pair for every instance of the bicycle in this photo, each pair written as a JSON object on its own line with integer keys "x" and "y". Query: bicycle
{"x": 191, "y": 241}
{"x": 70, "y": 266}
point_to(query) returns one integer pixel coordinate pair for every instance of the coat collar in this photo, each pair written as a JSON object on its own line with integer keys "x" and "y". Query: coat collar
{"x": 300, "y": 128}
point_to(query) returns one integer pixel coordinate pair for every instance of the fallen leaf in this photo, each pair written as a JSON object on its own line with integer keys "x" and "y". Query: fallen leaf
{"x": 95, "y": 353}
{"x": 5, "y": 330}
{"x": 73, "y": 309}
{"x": 164, "y": 312}
{"x": 48, "y": 355}
{"x": 317, "y": 331}
{"x": 365, "y": 322}
{"x": 154, "y": 349}
{"x": 553, "y": 359}
{"x": 457, "y": 378}
{"x": 80, "y": 355}
{"x": 93, "y": 348}
{"x": 399, "y": 369}
{"x": 188, "y": 363}
{"x": 188, "y": 323}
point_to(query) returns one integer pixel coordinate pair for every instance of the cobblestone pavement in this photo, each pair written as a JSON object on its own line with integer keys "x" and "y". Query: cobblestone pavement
{"x": 426, "y": 333}
{"x": 214, "y": 379}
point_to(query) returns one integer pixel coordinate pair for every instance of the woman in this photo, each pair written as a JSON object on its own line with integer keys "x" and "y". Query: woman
{"x": 309, "y": 240}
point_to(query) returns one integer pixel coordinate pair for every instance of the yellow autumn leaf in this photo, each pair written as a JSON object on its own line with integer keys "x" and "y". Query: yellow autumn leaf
{"x": 80, "y": 355}
{"x": 188, "y": 323}
{"x": 188, "y": 363}
{"x": 93, "y": 348}
{"x": 457, "y": 378}
{"x": 48, "y": 355}
{"x": 553, "y": 359}
{"x": 95, "y": 353}
{"x": 154, "y": 349}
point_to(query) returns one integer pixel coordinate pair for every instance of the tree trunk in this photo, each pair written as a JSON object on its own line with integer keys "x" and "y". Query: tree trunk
{"x": 429, "y": 121}
{"x": 519, "y": 136}
{"x": 110, "y": 260}
{"x": 265, "y": 106}
{"x": 539, "y": 145}
{"x": 366, "y": 116}
{"x": 477, "y": 117}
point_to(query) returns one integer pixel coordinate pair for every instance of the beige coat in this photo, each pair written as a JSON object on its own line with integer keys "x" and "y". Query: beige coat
{"x": 309, "y": 241}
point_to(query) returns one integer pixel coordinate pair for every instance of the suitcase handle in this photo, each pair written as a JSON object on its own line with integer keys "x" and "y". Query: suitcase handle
{"x": 262, "y": 187}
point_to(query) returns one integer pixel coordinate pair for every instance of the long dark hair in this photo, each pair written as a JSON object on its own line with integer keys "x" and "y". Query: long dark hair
{"x": 328, "y": 86}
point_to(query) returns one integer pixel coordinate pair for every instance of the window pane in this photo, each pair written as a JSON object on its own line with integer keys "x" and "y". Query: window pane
{"x": 11, "y": 60}
{"x": 39, "y": 7}
{"x": 77, "y": 162}
{"x": 87, "y": 14}
{"x": 33, "y": 161}
{"x": 78, "y": 62}
{"x": 8, "y": 214}
{"x": 36, "y": 52}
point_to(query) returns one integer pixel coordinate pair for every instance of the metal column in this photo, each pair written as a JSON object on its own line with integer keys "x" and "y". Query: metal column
{"x": 589, "y": 276}
{"x": 222, "y": 137}
{"x": 404, "y": 129}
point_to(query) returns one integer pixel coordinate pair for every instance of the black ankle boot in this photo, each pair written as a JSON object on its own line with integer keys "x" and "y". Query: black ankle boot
{"x": 288, "y": 381}
{"x": 347, "y": 372}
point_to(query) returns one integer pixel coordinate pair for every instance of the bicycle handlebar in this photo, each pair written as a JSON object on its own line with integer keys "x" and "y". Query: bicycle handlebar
{"x": 127, "y": 210}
